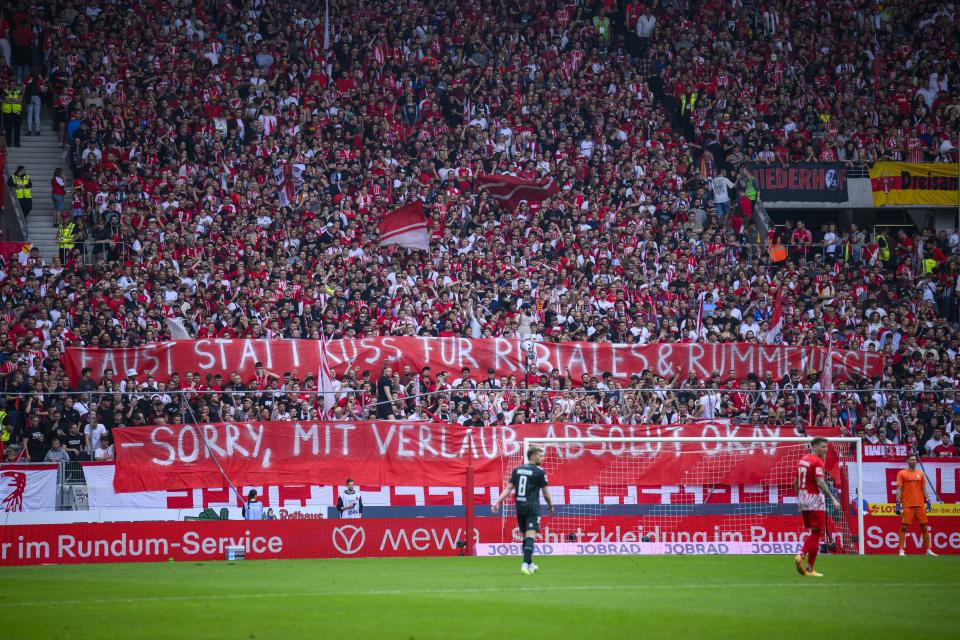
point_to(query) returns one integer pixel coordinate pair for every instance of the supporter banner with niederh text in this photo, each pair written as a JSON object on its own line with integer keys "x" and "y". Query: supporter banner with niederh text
{"x": 801, "y": 182}
{"x": 504, "y": 356}
{"x": 914, "y": 183}
{"x": 168, "y": 457}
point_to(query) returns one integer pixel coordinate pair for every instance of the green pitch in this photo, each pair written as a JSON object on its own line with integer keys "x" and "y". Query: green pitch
{"x": 420, "y": 598}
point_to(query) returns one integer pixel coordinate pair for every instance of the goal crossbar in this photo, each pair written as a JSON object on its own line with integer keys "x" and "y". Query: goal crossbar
{"x": 557, "y": 440}
{"x": 791, "y": 439}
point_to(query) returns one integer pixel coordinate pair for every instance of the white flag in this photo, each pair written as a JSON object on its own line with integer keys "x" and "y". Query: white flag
{"x": 325, "y": 381}
{"x": 775, "y": 334}
{"x": 177, "y": 329}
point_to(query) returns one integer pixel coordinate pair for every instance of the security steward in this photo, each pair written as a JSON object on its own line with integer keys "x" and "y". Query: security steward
{"x": 66, "y": 238}
{"x": 12, "y": 113}
{"x": 23, "y": 188}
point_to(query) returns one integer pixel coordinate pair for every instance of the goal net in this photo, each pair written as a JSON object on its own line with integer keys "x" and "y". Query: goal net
{"x": 688, "y": 495}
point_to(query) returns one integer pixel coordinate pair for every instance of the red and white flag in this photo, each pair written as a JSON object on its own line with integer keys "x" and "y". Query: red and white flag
{"x": 827, "y": 381}
{"x": 406, "y": 227}
{"x": 289, "y": 177}
{"x": 328, "y": 395}
{"x": 775, "y": 333}
{"x": 28, "y": 487}
{"x": 510, "y": 191}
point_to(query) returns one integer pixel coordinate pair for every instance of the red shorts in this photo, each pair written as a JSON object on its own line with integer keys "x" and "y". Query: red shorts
{"x": 914, "y": 515}
{"x": 814, "y": 519}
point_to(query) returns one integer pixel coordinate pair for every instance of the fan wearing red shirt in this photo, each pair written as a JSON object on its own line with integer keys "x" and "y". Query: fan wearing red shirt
{"x": 945, "y": 449}
{"x": 812, "y": 492}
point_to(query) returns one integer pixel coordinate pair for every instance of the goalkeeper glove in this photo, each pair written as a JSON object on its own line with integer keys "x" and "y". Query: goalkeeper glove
{"x": 929, "y": 506}
{"x": 898, "y": 509}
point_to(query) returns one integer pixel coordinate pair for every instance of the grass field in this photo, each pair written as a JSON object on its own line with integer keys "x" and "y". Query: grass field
{"x": 420, "y": 598}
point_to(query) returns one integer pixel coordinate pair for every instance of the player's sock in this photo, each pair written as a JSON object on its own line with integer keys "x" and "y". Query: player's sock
{"x": 805, "y": 549}
{"x": 812, "y": 548}
{"x": 528, "y": 550}
{"x": 926, "y": 537}
{"x": 903, "y": 537}
{"x": 812, "y": 553}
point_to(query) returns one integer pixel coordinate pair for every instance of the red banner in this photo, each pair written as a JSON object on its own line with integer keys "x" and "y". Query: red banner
{"x": 288, "y": 539}
{"x": 506, "y": 357}
{"x": 510, "y": 191}
{"x": 170, "y": 457}
{"x": 10, "y": 249}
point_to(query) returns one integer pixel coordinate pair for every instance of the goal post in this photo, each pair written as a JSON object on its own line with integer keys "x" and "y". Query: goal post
{"x": 657, "y": 491}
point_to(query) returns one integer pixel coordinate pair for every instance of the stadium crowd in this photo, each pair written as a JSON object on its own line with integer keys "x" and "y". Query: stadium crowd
{"x": 229, "y": 169}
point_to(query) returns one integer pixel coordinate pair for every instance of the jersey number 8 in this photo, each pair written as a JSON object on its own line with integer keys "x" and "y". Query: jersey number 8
{"x": 522, "y": 486}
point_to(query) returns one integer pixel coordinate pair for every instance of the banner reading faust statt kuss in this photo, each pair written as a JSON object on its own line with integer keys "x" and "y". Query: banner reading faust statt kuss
{"x": 504, "y": 356}
{"x": 912, "y": 183}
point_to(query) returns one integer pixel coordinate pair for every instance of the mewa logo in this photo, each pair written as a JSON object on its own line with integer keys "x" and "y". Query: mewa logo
{"x": 348, "y": 539}
{"x": 422, "y": 539}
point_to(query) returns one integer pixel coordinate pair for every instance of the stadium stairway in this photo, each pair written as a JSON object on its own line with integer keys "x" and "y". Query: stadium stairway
{"x": 41, "y": 155}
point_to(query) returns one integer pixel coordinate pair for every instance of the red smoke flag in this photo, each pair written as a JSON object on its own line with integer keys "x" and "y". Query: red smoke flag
{"x": 328, "y": 396}
{"x": 775, "y": 334}
{"x": 510, "y": 191}
{"x": 406, "y": 227}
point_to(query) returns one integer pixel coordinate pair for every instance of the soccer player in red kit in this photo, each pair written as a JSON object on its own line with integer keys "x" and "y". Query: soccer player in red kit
{"x": 812, "y": 493}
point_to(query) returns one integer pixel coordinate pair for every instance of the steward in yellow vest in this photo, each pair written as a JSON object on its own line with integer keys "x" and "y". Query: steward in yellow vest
{"x": 23, "y": 188}
{"x": 12, "y": 117}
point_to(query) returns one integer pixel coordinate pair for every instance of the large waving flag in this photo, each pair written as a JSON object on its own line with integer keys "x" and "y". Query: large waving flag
{"x": 325, "y": 381}
{"x": 510, "y": 191}
{"x": 406, "y": 227}
{"x": 775, "y": 333}
{"x": 289, "y": 177}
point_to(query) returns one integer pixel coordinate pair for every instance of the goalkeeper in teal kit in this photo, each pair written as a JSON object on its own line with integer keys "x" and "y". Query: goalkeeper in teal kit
{"x": 528, "y": 481}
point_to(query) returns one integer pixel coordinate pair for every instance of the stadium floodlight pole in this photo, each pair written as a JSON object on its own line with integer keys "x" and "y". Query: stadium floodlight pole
{"x": 547, "y": 441}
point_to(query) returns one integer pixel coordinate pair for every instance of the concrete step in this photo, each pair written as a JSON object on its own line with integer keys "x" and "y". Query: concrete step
{"x": 41, "y": 155}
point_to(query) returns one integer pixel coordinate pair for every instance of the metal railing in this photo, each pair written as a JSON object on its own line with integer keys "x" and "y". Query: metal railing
{"x": 13, "y": 224}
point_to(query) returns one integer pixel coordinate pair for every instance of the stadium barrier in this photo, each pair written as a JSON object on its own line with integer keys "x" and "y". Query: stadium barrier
{"x": 292, "y": 539}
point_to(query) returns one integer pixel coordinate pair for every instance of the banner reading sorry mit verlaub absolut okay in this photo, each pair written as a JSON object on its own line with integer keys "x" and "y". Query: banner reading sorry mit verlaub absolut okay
{"x": 180, "y": 456}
